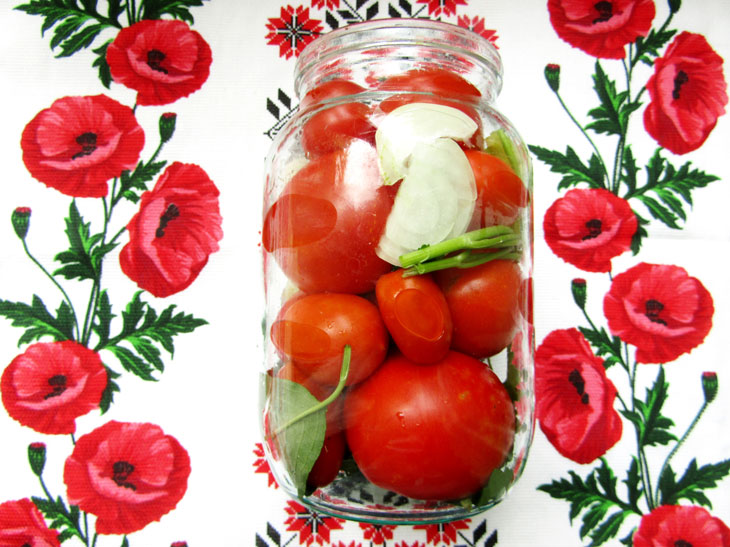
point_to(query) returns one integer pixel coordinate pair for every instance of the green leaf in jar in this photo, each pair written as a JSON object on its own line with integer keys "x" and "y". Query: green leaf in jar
{"x": 500, "y": 145}
{"x": 299, "y": 439}
{"x": 298, "y": 422}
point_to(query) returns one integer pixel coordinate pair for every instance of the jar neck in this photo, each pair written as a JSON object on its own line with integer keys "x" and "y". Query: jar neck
{"x": 366, "y": 53}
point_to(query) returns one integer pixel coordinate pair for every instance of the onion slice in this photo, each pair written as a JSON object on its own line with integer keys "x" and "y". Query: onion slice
{"x": 408, "y": 125}
{"x": 435, "y": 200}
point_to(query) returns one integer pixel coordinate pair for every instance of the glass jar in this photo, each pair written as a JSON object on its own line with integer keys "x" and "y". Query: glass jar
{"x": 397, "y": 242}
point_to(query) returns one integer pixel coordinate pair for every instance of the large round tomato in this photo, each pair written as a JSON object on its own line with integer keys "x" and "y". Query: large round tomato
{"x": 500, "y": 192}
{"x": 484, "y": 302}
{"x": 313, "y": 330}
{"x": 332, "y": 127}
{"x": 324, "y": 227}
{"x": 432, "y": 432}
{"x": 416, "y": 314}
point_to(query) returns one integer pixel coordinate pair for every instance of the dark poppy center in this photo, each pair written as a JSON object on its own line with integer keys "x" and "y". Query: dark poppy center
{"x": 682, "y": 543}
{"x": 58, "y": 386}
{"x": 154, "y": 60}
{"x": 122, "y": 470}
{"x": 579, "y": 384}
{"x": 171, "y": 213}
{"x": 87, "y": 142}
{"x": 605, "y": 12}
{"x": 594, "y": 228}
{"x": 679, "y": 81}
{"x": 653, "y": 309}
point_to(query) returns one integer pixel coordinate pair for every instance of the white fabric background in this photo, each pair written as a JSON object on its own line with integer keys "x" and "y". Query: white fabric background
{"x": 207, "y": 397}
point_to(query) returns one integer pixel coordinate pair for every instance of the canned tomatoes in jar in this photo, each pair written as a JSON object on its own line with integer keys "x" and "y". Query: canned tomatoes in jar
{"x": 397, "y": 229}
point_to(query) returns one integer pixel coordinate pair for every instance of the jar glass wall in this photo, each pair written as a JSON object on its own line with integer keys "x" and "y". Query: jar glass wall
{"x": 397, "y": 241}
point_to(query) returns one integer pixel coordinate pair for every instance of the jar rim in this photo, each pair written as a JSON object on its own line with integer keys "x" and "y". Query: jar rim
{"x": 474, "y": 49}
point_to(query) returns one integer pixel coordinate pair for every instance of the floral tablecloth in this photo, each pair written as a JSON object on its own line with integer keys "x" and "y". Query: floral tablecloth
{"x": 133, "y": 138}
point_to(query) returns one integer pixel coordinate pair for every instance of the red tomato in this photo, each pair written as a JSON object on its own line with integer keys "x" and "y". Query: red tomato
{"x": 484, "y": 302}
{"x": 444, "y": 85}
{"x": 328, "y": 463}
{"x": 432, "y": 432}
{"x": 430, "y": 79}
{"x": 320, "y": 392}
{"x": 416, "y": 314}
{"x": 333, "y": 127}
{"x": 326, "y": 224}
{"x": 313, "y": 331}
{"x": 500, "y": 193}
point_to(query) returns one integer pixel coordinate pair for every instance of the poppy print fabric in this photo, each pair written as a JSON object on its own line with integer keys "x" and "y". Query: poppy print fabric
{"x": 133, "y": 139}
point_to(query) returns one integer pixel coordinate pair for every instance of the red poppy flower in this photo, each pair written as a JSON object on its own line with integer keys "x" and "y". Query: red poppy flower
{"x": 659, "y": 309}
{"x": 312, "y": 527}
{"x": 292, "y": 31}
{"x": 51, "y": 384}
{"x": 79, "y": 143}
{"x": 675, "y": 526}
{"x": 601, "y": 29}
{"x": 688, "y": 94}
{"x": 163, "y": 60}
{"x": 442, "y": 7}
{"x": 176, "y": 229}
{"x": 574, "y": 398}
{"x": 21, "y": 523}
{"x": 126, "y": 474}
{"x": 589, "y": 227}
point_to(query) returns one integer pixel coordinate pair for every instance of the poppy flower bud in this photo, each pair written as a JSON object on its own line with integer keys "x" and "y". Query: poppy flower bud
{"x": 674, "y": 5}
{"x": 37, "y": 457}
{"x": 552, "y": 75}
{"x": 709, "y": 386}
{"x": 579, "y": 288}
{"x": 20, "y": 219}
{"x": 167, "y": 125}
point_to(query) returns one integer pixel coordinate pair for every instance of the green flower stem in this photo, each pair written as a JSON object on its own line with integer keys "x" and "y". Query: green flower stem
{"x": 585, "y": 134}
{"x": 344, "y": 370}
{"x": 643, "y": 461}
{"x": 680, "y": 442}
{"x": 465, "y": 259}
{"x": 56, "y": 283}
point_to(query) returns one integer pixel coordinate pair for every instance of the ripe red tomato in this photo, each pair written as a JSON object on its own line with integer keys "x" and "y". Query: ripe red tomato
{"x": 448, "y": 89}
{"x": 484, "y": 302}
{"x": 320, "y": 392}
{"x": 313, "y": 330}
{"x": 500, "y": 192}
{"x": 430, "y": 79}
{"x": 324, "y": 227}
{"x": 333, "y": 127}
{"x": 432, "y": 432}
{"x": 328, "y": 462}
{"x": 416, "y": 314}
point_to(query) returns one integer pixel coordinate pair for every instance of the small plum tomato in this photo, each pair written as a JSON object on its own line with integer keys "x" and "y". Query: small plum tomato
{"x": 484, "y": 302}
{"x": 313, "y": 330}
{"x": 500, "y": 192}
{"x": 320, "y": 392}
{"x": 416, "y": 314}
{"x": 333, "y": 127}
{"x": 430, "y": 432}
{"x": 329, "y": 461}
{"x": 326, "y": 224}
